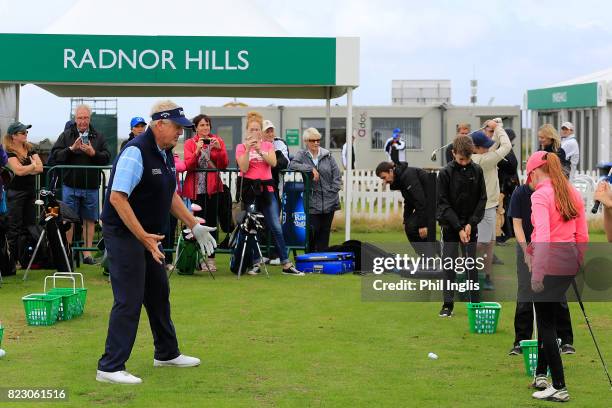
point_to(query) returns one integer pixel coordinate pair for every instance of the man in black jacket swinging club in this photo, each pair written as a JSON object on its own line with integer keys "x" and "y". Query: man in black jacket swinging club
{"x": 412, "y": 183}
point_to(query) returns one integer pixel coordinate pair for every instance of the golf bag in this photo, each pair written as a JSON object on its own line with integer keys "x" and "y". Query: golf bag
{"x": 189, "y": 255}
{"x": 364, "y": 254}
{"x": 238, "y": 242}
{"x": 27, "y": 243}
{"x": 57, "y": 217}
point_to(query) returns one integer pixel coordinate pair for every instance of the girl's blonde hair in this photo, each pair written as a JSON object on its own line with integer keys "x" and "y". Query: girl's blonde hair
{"x": 254, "y": 116}
{"x": 549, "y": 132}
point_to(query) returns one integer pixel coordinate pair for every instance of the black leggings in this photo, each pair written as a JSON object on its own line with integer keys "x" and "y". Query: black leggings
{"x": 320, "y": 228}
{"x": 547, "y": 316}
{"x": 210, "y": 213}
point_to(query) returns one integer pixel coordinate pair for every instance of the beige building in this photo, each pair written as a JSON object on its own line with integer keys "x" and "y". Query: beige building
{"x": 424, "y": 128}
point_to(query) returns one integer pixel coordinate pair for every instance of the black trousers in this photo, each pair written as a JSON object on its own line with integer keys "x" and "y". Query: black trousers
{"x": 21, "y": 213}
{"x": 546, "y": 316}
{"x": 136, "y": 280}
{"x": 421, "y": 246}
{"x": 523, "y": 315}
{"x": 210, "y": 213}
{"x": 450, "y": 249}
{"x": 320, "y": 229}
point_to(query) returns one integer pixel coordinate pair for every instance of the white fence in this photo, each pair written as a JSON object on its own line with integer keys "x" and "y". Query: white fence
{"x": 371, "y": 197}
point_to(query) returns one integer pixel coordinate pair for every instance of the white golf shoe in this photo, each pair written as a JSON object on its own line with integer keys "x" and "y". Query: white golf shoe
{"x": 117, "y": 377}
{"x": 540, "y": 382}
{"x": 180, "y": 361}
{"x": 552, "y": 394}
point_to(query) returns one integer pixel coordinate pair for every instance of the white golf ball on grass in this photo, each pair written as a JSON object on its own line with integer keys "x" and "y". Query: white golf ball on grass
{"x": 432, "y": 356}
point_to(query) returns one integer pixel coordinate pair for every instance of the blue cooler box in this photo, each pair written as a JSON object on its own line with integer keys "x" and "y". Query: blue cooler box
{"x": 329, "y": 263}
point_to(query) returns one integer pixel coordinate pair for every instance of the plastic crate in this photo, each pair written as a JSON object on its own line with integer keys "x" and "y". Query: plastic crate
{"x": 1, "y": 334}
{"x": 41, "y": 309}
{"x": 82, "y": 291}
{"x": 530, "y": 356}
{"x": 483, "y": 317}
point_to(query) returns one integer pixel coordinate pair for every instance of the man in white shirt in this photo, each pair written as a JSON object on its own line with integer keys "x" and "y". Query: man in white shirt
{"x": 570, "y": 145}
{"x": 345, "y": 155}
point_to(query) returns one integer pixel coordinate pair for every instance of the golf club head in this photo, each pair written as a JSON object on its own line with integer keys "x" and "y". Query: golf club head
{"x": 434, "y": 156}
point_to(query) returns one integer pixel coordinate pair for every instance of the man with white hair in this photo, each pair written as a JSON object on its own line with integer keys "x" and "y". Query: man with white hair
{"x": 570, "y": 145}
{"x": 81, "y": 145}
{"x": 140, "y": 194}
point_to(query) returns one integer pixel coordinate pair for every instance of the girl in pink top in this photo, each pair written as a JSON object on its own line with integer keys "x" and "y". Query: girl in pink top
{"x": 256, "y": 158}
{"x": 556, "y": 252}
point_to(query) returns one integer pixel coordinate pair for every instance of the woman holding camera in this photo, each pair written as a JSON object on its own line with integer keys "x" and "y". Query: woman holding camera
{"x": 256, "y": 158}
{"x": 205, "y": 151}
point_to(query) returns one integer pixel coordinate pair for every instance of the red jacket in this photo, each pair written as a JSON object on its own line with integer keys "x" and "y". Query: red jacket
{"x": 213, "y": 181}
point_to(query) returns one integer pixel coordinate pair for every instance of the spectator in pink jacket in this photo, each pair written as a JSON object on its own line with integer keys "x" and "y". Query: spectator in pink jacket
{"x": 555, "y": 254}
{"x": 205, "y": 151}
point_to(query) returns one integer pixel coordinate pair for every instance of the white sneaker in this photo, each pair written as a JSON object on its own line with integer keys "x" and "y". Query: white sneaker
{"x": 254, "y": 270}
{"x": 180, "y": 361}
{"x": 540, "y": 382}
{"x": 117, "y": 377}
{"x": 275, "y": 261}
{"x": 552, "y": 394}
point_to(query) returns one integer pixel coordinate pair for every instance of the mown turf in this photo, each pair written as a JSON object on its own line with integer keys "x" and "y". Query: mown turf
{"x": 293, "y": 342}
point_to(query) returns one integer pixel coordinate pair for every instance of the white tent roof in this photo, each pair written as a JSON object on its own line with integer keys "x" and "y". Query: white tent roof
{"x": 604, "y": 75}
{"x": 176, "y": 18}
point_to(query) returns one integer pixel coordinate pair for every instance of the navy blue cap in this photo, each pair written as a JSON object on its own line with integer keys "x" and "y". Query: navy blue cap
{"x": 17, "y": 127}
{"x": 176, "y": 115}
{"x": 482, "y": 140}
{"x": 137, "y": 121}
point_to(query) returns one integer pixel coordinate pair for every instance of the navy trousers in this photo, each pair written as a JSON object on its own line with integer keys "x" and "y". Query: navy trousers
{"x": 136, "y": 280}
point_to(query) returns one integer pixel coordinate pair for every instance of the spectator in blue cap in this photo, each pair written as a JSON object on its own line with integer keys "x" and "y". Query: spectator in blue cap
{"x": 396, "y": 147}
{"x": 138, "y": 126}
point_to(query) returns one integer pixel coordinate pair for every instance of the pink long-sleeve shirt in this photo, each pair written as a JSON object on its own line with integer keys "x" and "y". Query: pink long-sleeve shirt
{"x": 557, "y": 246}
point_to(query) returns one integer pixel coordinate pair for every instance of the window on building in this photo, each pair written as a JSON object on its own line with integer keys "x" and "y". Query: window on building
{"x": 337, "y": 130}
{"x": 382, "y": 129}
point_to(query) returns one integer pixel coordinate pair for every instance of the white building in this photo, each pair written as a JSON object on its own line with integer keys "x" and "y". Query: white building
{"x": 425, "y": 128}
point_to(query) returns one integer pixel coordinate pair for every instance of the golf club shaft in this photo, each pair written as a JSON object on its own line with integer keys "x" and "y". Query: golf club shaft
{"x": 603, "y": 362}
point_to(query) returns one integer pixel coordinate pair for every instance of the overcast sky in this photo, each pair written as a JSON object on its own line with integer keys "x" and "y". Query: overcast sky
{"x": 508, "y": 46}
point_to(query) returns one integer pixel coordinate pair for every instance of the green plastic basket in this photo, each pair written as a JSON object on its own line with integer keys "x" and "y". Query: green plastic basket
{"x": 41, "y": 309}
{"x": 71, "y": 306}
{"x": 73, "y": 299}
{"x": 530, "y": 356}
{"x": 1, "y": 334}
{"x": 483, "y": 317}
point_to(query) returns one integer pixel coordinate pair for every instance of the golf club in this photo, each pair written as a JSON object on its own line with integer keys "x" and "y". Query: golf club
{"x": 434, "y": 154}
{"x": 603, "y": 362}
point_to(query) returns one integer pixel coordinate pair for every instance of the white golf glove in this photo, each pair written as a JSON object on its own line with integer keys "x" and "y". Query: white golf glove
{"x": 206, "y": 241}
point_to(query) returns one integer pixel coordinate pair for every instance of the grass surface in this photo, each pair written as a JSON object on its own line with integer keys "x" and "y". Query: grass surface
{"x": 295, "y": 342}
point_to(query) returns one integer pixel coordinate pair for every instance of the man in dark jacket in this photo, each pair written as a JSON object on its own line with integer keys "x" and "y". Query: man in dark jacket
{"x": 412, "y": 183}
{"x": 462, "y": 197}
{"x": 82, "y": 145}
{"x": 507, "y": 172}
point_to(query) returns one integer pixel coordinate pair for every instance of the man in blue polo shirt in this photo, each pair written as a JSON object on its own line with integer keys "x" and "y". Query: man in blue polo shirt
{"x": 140, "y": 194}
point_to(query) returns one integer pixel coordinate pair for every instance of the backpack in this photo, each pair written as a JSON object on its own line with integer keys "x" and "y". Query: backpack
{"x": 28, "y": 242}
{"x": 7, "y": 263}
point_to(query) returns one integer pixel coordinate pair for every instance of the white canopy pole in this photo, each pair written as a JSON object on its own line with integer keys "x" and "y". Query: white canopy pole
{"x": 348, "y": 195}
{"x": 327, "y": 118}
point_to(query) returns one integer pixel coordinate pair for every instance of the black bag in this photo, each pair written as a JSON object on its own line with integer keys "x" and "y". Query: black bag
{"x": 7, "y": 263}
{"x": 28, "y": 242}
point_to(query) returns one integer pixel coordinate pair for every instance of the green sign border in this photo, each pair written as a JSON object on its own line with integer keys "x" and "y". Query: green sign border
{"x": 42, "y": 58}
{"x": 571, "y": 96}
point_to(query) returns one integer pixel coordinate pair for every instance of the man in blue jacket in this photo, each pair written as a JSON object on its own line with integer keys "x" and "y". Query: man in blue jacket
{"x": 140, "y": 194}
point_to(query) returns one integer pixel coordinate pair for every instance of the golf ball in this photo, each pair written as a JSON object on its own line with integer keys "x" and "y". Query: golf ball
{"x": 2, "y": 353}
{"x": 433, "y": 356}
